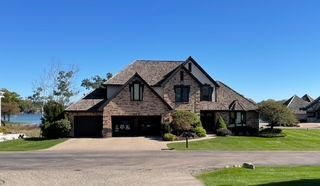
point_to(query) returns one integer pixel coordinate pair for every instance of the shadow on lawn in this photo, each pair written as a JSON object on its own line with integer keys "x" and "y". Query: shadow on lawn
{"x": 304, "y": 182}
{"x": 35, "y": 139}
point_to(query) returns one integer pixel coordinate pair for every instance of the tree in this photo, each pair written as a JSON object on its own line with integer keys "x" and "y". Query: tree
{"x": 53, "y": 111}
{"x": 184, "y": 121}
{"x": 63, "y": 87}
{"x": 95, "y": 81}
{"x": 10, "y": 104}
{"x": 276, "y": 114}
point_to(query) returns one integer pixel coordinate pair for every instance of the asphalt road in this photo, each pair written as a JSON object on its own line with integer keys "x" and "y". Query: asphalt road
{"x": 131, "y": 168}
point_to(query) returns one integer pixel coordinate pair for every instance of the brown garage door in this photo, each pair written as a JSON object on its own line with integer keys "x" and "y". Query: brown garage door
{"x": 136, "y": 125}
{"x": 88, "y": 126}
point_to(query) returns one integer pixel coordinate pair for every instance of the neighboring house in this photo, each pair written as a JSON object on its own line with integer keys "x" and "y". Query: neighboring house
{"x": 296, "y": 105}
{"x": 313, "y": 111}
{"x": 139, "y": 99}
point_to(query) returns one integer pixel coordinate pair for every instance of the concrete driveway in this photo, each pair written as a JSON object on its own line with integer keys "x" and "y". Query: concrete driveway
{"x": 111, "y": 144}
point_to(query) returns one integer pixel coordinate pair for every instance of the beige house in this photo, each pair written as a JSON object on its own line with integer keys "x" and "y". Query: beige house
{"x": 139, "y": 99}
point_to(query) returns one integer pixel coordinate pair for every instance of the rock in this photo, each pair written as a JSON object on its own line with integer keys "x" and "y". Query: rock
{"x": 248, "y": 166}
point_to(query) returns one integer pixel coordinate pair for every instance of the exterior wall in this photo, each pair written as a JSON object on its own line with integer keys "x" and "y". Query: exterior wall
{"x": 122, "y": 105}
{"x": 194, "y": 96}
{"x": 202, "y": 78}
{"x": 111, "y": 90}
{"x": 71, "y": 116}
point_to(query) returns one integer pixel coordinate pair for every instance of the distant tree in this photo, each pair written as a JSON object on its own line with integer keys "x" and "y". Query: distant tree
{"x": 63, "y": 88}
{"x": 276, "y": 114}
{"x": 95, "y": 81}
{"x": 10, "y": 104}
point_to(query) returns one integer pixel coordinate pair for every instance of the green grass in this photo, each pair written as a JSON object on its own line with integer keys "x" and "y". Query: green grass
{"x": 263, "y": 176}
{"x": 295, "y": 140}
{"x": 28, "y": 144}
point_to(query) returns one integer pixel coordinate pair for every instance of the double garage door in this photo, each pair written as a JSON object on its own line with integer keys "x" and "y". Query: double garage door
{"x": 136, "y": 125}
{"x": 91, "y": 126}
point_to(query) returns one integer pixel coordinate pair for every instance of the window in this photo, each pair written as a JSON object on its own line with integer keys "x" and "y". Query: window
{"x": 136, "y": 91}
{"x": 181, "y": 75}
{"x": 237, "y": 119}
{"x": 206, "y": 93}
{"x": 190, "y": 67}
{"x": 182, "y": 93}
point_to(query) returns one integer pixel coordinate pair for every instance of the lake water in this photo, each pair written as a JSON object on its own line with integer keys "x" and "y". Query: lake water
{"x": 26, "y": 118}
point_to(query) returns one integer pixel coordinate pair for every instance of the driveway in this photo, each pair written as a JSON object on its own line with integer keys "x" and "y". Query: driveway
{"x": 132, "y": 168}
{"x": 111, "y": 144}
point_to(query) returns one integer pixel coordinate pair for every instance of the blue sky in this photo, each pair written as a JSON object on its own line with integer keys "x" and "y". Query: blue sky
{"x": 263, "y": 49}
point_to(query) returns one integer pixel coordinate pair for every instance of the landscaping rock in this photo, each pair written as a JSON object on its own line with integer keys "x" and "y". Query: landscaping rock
{"x": 248, "y": 166}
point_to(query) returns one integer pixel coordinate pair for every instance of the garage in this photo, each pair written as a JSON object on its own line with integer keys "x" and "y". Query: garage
{"x": 88, "y": 126}
{"x": 136, "y": 126}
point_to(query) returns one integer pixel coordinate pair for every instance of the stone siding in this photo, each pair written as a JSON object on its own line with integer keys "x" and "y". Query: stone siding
{"x": 194, "y": 95}
{"x": 122, "y": 105}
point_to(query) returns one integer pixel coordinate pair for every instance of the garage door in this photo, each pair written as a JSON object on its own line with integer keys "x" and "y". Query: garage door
{"x": 87, "y": 126}
{"x": 136, "y": 125}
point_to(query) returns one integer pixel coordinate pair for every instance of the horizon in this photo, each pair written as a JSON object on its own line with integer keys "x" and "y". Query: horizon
{"x": 262, "y": 49}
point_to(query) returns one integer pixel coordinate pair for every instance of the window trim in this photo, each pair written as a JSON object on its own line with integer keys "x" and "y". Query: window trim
{"x": 210, "y": 92}
{"x": 140, "y": 91}
{"x": 234, "y": 123}
{"x": 182, "y": 87}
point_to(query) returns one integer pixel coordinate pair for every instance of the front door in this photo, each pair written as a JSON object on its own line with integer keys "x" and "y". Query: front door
{"x": 207, "y": 120}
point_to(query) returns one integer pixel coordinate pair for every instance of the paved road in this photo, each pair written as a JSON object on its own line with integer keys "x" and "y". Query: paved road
{"x": 134, "y": 168}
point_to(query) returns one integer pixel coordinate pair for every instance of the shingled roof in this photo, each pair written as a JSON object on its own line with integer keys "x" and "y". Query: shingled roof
{"x": 91, "y": 102}
{"x": 307, "y": 98}
{"x": 296, "y": 104}
{"x": 150, "y": 70}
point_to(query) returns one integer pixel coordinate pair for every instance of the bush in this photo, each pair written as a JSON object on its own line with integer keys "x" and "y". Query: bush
{"x": 167, "y": 128}
{"x": 269, "y": 132}
{"x": 53, "y": 111}
{"x": 223, "y": 132}
{"x": 200, "y": 132}
{"x": 56, "y": 129}
{"x": 183, "y": 121}
{"x": 169, "y": 137}
{"x": 221, "y": 124}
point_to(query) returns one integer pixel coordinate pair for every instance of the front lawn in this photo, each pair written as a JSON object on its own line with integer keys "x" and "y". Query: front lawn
{"x": 263, "y": 176}
{"x": 29, "y": 144}
{"x": 295, "y": 140}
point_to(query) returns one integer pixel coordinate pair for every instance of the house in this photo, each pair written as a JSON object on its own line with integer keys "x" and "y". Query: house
{"x": 313, "y": 111}
{"x": 139, "y": 99}
{"x": 296, "y": 105}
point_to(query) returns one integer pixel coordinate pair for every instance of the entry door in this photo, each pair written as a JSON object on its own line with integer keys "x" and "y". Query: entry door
{"x": 208, "y": 122}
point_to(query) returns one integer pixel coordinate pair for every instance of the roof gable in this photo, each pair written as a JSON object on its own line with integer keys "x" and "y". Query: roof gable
{"x": 307, "y": 98}
{"x": 135, "y": 77}
{"x": 316, "y": 101}
{"x": 295, "y": 103}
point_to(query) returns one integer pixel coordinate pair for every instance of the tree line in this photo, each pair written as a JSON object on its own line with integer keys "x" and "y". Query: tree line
{"x": 55, "y": 85}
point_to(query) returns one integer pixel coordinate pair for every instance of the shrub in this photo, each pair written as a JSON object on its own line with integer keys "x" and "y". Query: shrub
{"x": 223, "y": 132}
{"x": 221, "y": 124}
{"x": 56, "y": 129}
{"x": 169, "y": 137}
{"x": 183, "y": 121}
{"x": 167, "y": 128}
{"x": 53, "y": 111}
{"x": 268, "y": 132}
{"x": 200, "y": 132}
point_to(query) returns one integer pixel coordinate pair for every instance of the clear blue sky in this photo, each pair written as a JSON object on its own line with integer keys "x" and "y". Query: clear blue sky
{"x": 263, "y": 49}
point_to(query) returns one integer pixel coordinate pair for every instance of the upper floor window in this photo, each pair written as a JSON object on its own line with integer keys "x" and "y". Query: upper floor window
{"x": 206, "y": 93}
{"x": 136, "y": 91}
{"x": 182, "y": 93}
